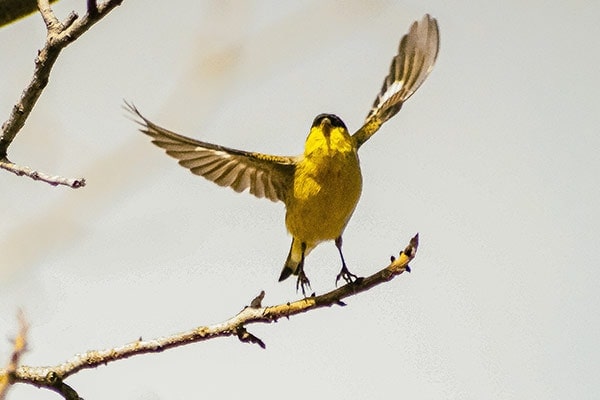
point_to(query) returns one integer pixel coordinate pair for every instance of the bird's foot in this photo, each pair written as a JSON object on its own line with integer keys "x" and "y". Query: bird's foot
{"x": 302, "y": 282}
{"x": 348, "y": 276}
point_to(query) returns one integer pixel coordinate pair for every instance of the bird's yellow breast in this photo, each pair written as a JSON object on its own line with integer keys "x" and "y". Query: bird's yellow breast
{"x": 327, "y": 186}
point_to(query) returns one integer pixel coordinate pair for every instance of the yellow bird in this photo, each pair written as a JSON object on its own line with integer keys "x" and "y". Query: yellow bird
{"x": 321, "y": 187}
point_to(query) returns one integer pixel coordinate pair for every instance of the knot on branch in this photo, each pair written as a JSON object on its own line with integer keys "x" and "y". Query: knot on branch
{"x": 53, "y": 379}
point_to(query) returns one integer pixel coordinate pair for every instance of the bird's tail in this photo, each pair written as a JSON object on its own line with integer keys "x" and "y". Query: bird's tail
{"x": 294, "y": 259}
{"x": 288, "y": 269}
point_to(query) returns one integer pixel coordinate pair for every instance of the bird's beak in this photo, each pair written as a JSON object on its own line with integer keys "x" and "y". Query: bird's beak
{"x": 326, "y": 126}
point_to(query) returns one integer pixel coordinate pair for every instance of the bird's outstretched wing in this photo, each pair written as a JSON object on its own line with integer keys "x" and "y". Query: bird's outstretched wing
{"x": 266, "y": 175}
{"x": 416, "y": 56}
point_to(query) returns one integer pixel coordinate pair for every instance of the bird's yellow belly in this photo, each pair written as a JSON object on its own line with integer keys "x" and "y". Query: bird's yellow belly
{"x": 325, "y": 194}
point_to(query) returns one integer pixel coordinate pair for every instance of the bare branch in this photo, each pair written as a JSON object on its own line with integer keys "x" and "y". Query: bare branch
{"x": 235, "y": 326}
{"x": 52, "y": 24}
{"x": 72, "y": 17}
{"x": 59, "y": 35}
{"x": 19, "y": 347}
{"x": 40, "y": 176}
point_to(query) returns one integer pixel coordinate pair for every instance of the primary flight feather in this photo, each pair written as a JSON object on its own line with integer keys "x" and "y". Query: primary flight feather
{"x": 321, "y": 187}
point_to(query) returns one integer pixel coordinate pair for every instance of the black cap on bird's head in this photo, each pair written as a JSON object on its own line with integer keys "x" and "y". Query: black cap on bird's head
{"x": 330, "y": 119}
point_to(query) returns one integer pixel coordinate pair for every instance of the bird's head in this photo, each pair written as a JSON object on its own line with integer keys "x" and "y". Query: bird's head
{"x": 328, "y": 132}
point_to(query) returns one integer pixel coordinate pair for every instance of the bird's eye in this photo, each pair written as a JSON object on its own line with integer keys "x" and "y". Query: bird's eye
{"x": 336, "y": 121}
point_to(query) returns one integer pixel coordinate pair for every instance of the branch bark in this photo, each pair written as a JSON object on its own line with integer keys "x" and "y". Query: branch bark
{"x": 59, "y": 35}
{"x": 41, "y": 176}
{"x": 52, "y": 377}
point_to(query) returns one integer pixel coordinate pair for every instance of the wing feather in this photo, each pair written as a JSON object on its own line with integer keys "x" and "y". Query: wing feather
{"x": 254, "y": 188}
{"x": 227, "y": 175}
{"x": 264, "y": 175}
{"x": 416, "y": 57}
{"x": 242, "y": 180}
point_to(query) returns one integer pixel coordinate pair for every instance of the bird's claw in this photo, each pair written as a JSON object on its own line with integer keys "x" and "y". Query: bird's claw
{"x": 302, "y": 282}
{"x": 348, "y": 276}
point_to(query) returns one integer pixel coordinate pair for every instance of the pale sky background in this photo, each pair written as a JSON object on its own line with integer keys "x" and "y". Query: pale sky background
{"x": 494, "y": 161}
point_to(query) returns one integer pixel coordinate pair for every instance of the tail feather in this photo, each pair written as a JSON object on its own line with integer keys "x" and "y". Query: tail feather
{"x": 294, "y": 258}
{"x": 285, "y": 273}
{"x": 293, "y": 261}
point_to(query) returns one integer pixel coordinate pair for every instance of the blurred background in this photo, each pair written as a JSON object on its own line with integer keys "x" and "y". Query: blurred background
{"x": 494, "y": 161}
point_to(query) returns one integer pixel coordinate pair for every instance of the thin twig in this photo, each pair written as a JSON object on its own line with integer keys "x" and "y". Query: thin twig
{"x": 235, "y": 326}
{"x": 72, "y": 17}
{"x": 40, "y": 176}
{"x": 19, "y": 347}
{"x": 59, "y": 35}
{"x": 52, "y": 23}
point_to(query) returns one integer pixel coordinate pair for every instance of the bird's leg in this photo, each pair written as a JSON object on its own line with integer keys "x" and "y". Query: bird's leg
{"x": 302, "y": 281}
{"x": 348, "y": 276}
